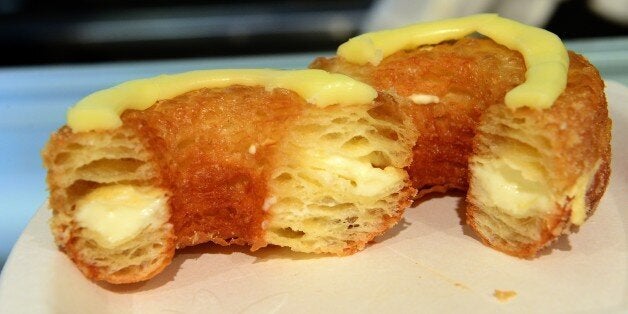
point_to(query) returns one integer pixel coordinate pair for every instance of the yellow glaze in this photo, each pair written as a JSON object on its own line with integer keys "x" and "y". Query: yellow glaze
{"x": 545, "y": 55}
{"x": 116, "y": 214}
{"x": 101, "y": 110}
{"x": 578, "y": 194}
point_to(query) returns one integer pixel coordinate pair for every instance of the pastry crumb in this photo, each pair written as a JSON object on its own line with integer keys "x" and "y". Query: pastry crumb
{"x": 424, "y": 99}
{"x": 252, "y": 149}
{"x": 268, "y": 202}
{"x": 504, "y": 295}
{"x": 461, "y": 286}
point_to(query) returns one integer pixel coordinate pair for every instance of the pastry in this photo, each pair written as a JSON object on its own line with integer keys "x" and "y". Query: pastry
{"x": 514, "y": 120}
{"x": 304, "y": 159}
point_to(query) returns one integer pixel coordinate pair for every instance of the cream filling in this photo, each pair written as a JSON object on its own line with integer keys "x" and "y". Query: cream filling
{"x": 511, "y": 189}
{"x": 116, "y": 214}
{"x": 359, "y": 177}
{"x": 521, "y": 192}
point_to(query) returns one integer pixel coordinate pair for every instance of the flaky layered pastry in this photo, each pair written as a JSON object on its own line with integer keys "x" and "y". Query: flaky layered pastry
{"x": 447, "y": 87}
{"x": 322, "y": 163}
{"x": 233, "y": 165}
{"x": 535, "y": 174}
{"x": 530, "y": 173}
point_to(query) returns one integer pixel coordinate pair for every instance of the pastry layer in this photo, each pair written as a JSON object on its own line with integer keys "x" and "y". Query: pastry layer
{"x": 533, "y": 173}
{"x": 238, "y": 165}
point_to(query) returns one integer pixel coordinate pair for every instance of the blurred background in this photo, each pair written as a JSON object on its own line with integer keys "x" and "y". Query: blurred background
{"x": 70, "y": 31}
{"x": 56, "y": 52}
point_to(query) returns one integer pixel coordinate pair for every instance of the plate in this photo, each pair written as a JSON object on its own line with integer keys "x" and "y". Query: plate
{"x": 430, "y": 262}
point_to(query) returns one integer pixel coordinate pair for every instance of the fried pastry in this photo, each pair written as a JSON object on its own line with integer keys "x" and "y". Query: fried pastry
{"x": 304, "y": 159}
{"x": 515, "y": 120}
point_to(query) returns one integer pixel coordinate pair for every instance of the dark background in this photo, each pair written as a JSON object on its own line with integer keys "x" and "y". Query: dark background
{"x": 79, "y": 31}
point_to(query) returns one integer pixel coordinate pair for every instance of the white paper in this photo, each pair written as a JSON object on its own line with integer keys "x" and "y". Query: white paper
{"x": 430, "y": 262}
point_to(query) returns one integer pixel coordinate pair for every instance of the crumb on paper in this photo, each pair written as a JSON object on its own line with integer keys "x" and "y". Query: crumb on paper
{"x": 504, "y": 295}
{"x": 461, "y": 286}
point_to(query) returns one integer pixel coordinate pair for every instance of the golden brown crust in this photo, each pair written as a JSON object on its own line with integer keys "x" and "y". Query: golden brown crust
{"x": 63, "y": 157}
{"x": 554, "y": 224}
{"x": 127, "y": 275}
{"x": 214, "y": 152}
{"x": 595, "y": 126}
{"x": 406, "y": 196}
{"x": 600, "y": 181}
{"x": 577, "y": 128}
{"x": 201, "y": 141}
{"x": 462, "y": 74}
{"x": 470, "y": 78}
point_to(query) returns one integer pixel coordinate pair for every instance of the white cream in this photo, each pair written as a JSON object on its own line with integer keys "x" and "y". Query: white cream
{"x": 511, "y": 189}
{"x": 520, "y": 190}
{"x": 424, "y": 99}
{"x": 368, "y": 181}
{"x": 116, "y": 214}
